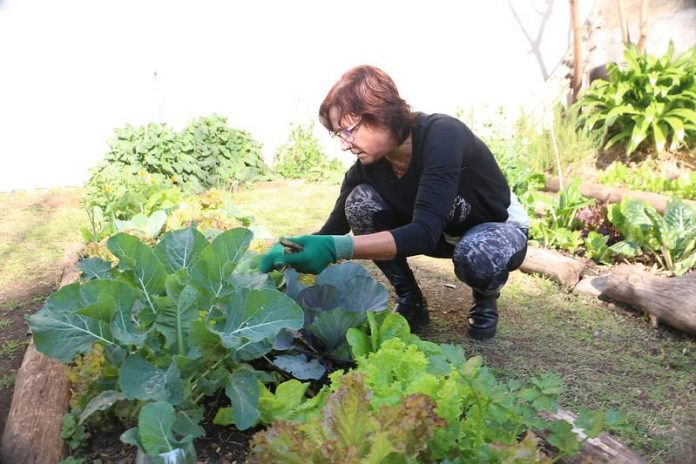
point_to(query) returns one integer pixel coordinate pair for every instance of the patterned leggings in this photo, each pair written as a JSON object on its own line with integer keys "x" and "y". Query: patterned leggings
{"x": 483, "y": 258}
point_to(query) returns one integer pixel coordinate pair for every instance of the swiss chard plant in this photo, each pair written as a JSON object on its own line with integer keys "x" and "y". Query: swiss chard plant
{"x": 669, "y": 239}
{"x": 177, "y": 322}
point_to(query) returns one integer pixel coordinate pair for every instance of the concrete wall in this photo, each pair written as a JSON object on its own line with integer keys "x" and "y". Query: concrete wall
{"x": 74, "y": 70}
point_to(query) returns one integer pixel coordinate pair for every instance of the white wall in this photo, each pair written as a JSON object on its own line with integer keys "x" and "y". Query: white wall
{"x": 73, "y": 70}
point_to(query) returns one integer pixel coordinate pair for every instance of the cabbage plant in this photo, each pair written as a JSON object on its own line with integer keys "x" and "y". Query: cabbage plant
{"x": 177, "y": 322}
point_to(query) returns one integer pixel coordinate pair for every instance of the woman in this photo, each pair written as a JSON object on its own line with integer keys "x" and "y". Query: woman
{"x": 422, "y": 184}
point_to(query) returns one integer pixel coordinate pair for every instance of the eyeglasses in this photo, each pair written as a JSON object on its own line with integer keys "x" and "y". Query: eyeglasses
{"x": 347, "y": 134}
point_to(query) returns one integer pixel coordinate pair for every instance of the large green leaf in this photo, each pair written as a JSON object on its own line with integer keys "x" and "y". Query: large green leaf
{"x": 174, "y": 321}
{"x": 148, "y": 225}
{"x": 216, "y": 262}
{"x": 101, "y": 402}
{"x": 95, "y": 268}
{"x": 104, "y": 298}
{"x": 250, "y": 316}
{"x": 300, "y": 367}
{"x": 63, "y": 335}
{"x": 201, "y": 338}
{"x": 139, "y": 260}
{"x": 125, "y": 328}
{"x": 339, "y": 274}
{"x": 363, "y": 293}
{"x": 178, "y": 249}
{"x": 681, "y": 222}
{"x": 330, "y": 327}
{"x": 243, "y": 392}
{"x": 155, "y": 424}
{"x": 138, "y": 379}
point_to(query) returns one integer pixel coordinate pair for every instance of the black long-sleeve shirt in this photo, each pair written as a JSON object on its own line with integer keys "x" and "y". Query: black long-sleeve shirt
{"x": 452, "y": 184}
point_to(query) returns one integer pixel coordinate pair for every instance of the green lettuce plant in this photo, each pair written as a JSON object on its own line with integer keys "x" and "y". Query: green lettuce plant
{"x": 351, "y": 429}
{"x": 646, "y": 98}
{"x": 456, "y": 406}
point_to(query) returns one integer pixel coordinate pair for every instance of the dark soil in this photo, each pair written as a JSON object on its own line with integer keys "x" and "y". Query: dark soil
{"x": 19, "y": 300}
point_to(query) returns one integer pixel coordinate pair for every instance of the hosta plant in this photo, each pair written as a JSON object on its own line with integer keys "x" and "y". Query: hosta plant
{"x": 647, "y": 98}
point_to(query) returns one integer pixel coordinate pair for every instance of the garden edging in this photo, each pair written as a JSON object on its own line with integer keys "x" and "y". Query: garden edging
{"x": 40, "y": 399}
{"x": 664, "y": 299}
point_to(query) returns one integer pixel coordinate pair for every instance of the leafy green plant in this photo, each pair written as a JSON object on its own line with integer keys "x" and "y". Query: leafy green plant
{"x": 651, "y": 176}
{"x": 550, "y": 147}
{"x": 7, "y": 380}
{"x": 340, "y": 300}
{"x": 554, "y": 221}
{"x": 476, "y": 418}
{"x": 303, "y": 158}
{"x": 670, "y": 239}
{"x": 164, "y": 435}
{"x": 647, "y": 98}
{"x": 351, "y": 429}
{"x": 72, "y": 432}
{"x": 152, "y": 168}
{"x": 227, "y": 156}
{"x": 597, "y": 248}
{"x": 177, "y": 322}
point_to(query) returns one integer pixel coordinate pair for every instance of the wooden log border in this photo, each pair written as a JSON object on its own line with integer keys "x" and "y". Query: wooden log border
{"x": 39, "y": 402}
{"x": 626, "y": 284}
{"x": 616, "y": 194}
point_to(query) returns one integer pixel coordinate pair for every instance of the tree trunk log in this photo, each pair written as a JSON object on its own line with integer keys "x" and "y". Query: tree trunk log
{"x": 40, "y": 399}
{"x": 616, "y": 194}
{"x": 562, "y": 269}
{"x": 604, "y": 449}
{"x": 671, "y": 300}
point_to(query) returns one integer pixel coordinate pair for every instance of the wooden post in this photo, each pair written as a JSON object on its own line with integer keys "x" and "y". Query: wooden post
{"x": 625, "y": 36}
{"x": 643, "y": 26}
{"x": 577, "y": 50}
{"x": 40, "y": 399}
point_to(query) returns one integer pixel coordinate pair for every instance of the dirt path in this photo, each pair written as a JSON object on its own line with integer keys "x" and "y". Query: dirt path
{"x": 37, "y": 233}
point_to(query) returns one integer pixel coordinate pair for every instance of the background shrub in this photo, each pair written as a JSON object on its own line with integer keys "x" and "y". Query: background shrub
{"x": 647, "y": 98}
{"x": 303, "y": 158}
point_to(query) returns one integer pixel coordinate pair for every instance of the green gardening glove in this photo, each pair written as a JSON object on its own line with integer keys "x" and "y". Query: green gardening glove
{"x": 318, "y": 251}
{"x": 272, "y": 258}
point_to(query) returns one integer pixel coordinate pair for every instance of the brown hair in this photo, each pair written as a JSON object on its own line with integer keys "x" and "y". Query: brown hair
{"x": 369, "y": 93}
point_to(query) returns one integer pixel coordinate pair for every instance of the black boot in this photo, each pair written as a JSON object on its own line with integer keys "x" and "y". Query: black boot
{"x": 410, "y": 301}
{"x": 483, "y": 316}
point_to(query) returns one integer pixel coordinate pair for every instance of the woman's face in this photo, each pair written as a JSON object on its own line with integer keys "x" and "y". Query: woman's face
{"x": 368, "y": 144}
